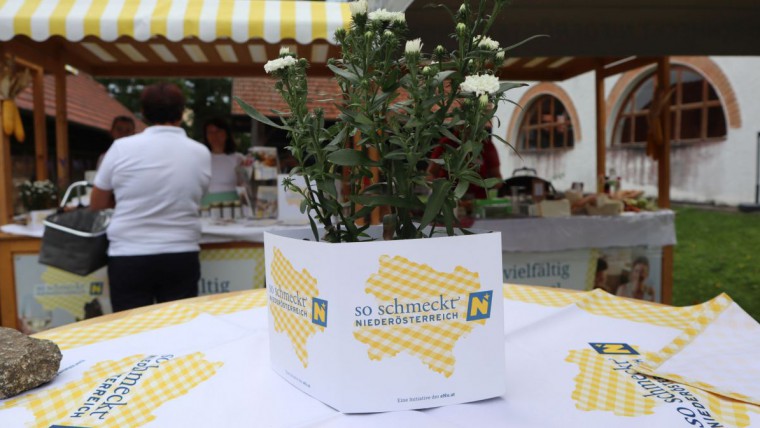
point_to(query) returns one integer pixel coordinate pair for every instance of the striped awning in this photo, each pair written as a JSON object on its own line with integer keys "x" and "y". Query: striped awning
{"x": 141, "y": 20}
{"x": 172, "y": 37}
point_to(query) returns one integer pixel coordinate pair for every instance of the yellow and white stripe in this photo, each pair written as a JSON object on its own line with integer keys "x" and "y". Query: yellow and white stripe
{"x": 208, "y": 20}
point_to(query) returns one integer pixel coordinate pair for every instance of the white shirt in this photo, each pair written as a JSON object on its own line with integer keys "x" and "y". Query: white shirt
{"x": 223, "y": 172}
{"x": 158, "y": 178}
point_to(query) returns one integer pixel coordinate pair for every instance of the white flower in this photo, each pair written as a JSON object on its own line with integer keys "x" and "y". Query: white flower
{"x": 388, "y": 16}
{"x": 276, "y": 64}
{"x": 413, "y": 46}
{"x": 284, "y": 50}
{"x": 488, "y": 43}
{"x": 479, "y": 85}
{"x": 500, "y": 55}
{"x": 358, "y": 7}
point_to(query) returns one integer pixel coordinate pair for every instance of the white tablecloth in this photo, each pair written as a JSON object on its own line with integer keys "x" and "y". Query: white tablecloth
{"x": 651, "y": 229}
{"x": 570, "y": 362}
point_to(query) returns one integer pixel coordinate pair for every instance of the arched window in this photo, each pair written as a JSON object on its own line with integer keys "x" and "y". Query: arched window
{"x": 696, "y": 113}
{"x": 546, "y": 125}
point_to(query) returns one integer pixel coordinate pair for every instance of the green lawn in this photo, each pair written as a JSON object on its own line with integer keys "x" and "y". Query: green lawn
{"x": 717, "y": 252}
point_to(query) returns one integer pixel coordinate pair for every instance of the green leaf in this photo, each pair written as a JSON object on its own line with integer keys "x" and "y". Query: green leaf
{"x": 350, "y": 157}
{"x": 351, "y": 77}
{"x": 520, "y": 43}
{"x": 395, "y": 155}
{"x": 490, "y": 182}
{"x": 381, "y": 200}
{"x": 250, "y": 111}
{"x": 438, "y": 196}
{"x": 440, "y": 77}
{"x": 505, "y": 86}
{"x": 461, "y": 189}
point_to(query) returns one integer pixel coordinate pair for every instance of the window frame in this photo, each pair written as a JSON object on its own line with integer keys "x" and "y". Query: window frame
{"x": 536, "y": 108}
{"x": 677, "y": 109}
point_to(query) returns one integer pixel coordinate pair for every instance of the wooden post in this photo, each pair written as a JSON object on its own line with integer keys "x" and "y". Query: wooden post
{"x": 6, "y": 178}
{"x": 40, "y": 130}
{"x": 601, "y": 129}
{"x": 663, "y": 176}
{"x": 61, "y": 128}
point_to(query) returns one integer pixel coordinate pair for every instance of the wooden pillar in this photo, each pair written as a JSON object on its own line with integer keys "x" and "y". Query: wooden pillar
{"x": 40, "y": 130}
{"x": 6, "y": 178}
{"x": 601, "y": 129}
{"x": 663, "y": 176}
{"x": 62, "y": 160}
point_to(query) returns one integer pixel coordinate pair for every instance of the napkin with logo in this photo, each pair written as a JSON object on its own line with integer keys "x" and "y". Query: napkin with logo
{"x": 719, "y": 352}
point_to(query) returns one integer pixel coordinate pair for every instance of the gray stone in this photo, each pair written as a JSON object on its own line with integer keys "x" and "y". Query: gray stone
{"x": 25, "y": 362}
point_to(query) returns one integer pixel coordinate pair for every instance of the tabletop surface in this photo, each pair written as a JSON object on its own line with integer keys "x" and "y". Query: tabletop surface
{"x": 572, "y": 359}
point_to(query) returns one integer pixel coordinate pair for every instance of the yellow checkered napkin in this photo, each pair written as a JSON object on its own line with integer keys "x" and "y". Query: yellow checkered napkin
{"x": 719, "y": 351}
{"x": 601, "y": 303}
{"x": 541, "y": 295}
{"x": 403, "y": 281}
{"x": 599, "y": 387}
{"x": 235, "y": 302}
{"x": 602, "y": 385}
{"x": 132, "y": 390}
{"x": 298, "y": 327}
{"x": 79, "y": 336}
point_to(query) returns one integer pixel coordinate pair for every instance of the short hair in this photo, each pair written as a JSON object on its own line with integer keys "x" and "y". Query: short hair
{"x": 229, "y": 143}
{"x": 118, "y": 119}
{"x": 641, "y": 260}
{"x": 162, "y": 103}
{"x": 601, "y": 265}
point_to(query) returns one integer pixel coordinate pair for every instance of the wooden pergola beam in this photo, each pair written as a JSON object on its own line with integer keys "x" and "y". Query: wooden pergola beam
{"x": 601, "y": 129}
{"x": 663, "y": 177}
{"x": 61, "y": 127}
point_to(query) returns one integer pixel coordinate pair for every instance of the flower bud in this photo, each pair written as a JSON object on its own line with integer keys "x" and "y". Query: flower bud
{"x": 426, "y": 70}
{"x": 368, "y": 35}
{"x": 500, "y": 56}
{"x": 284, "y": 51}
{"x": 439, "y": 50}
{"x": 483, "y": 100}
{"x": 461, "y": 29}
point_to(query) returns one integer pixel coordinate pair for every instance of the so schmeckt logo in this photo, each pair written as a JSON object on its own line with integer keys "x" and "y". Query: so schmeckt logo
{"x": 613, "y": 348}
{"x": 319, "y": 311}
{"x": 479, "y": 305}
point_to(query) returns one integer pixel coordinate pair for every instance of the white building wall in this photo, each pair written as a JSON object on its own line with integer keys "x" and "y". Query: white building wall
{"x": 720, "y": 172}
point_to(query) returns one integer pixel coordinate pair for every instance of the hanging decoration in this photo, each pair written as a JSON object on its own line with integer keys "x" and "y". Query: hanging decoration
{"x": 12, "y": 82}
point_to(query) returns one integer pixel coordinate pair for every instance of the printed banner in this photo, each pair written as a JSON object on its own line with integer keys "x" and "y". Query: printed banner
{"x": 634, "y": 272}
{"x": 48, "y": 297}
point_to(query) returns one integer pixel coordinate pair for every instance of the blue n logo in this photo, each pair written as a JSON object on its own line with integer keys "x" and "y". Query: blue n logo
{"x": 614, "y": 348}
{"x": 96, "y": 288}
{"x": 319, "y": 311}
{"x": 479, "y": 305}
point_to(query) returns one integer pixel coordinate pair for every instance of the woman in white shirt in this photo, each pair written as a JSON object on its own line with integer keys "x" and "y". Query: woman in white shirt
{"x": 225, "y": 162}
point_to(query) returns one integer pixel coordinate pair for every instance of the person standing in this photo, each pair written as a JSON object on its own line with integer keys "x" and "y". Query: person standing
{"x": 154, "y": 181}
{"x": 225, "y": 162}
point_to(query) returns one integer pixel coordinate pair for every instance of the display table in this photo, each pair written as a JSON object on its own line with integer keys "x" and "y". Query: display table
{"x": 570, "y": 361}
{"x": 564, "y": 252}
{"x": 558, "y": 252}
{"x": 232, "y": 259}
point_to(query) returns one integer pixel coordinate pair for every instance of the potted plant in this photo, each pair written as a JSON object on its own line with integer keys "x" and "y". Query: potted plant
{"x": 409, "y": 322}
{"x": 39, "y": 198}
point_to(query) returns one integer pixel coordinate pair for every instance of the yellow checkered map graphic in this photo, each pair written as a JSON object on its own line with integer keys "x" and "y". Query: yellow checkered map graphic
{"x": 404, "y": 287}
{"x": 122, "y": 393}
{"x": 290, "y": 304}
{"x": 613, "y": 384}
{"x": 67, "y": 291}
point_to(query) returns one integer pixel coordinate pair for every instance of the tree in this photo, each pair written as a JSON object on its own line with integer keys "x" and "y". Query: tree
{"x": 206, "y": 98}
